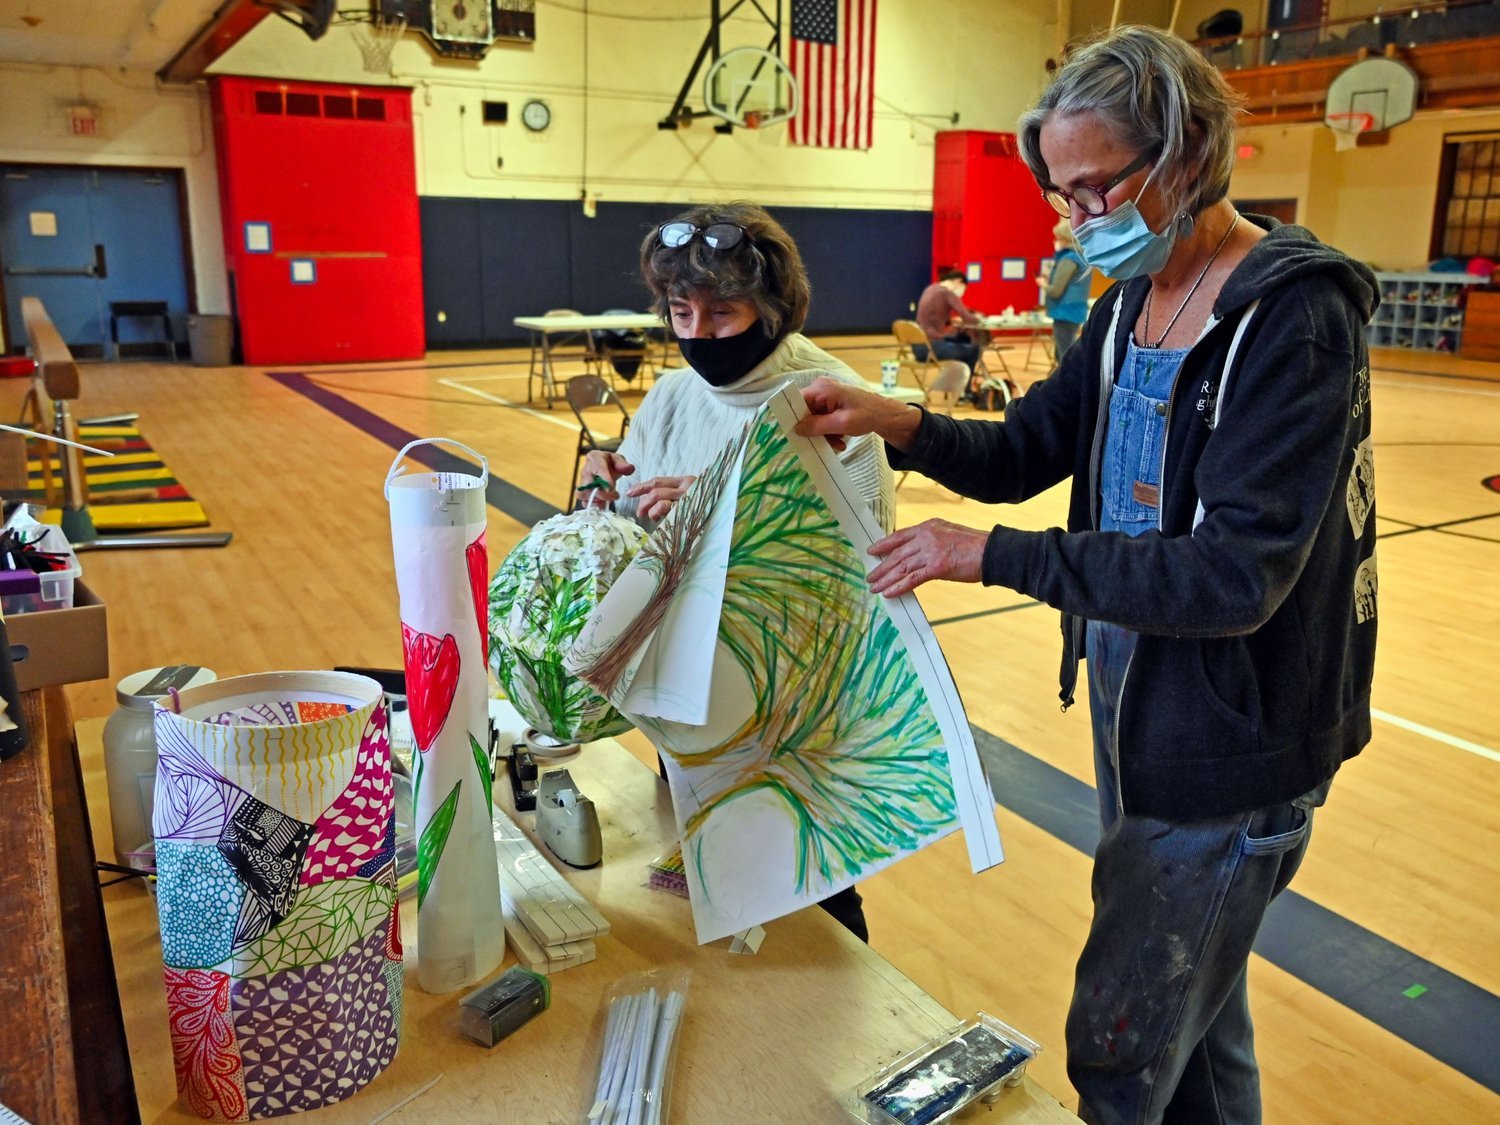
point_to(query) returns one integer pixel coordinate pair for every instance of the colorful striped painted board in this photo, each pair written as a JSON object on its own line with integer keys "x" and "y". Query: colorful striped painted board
{"x": 131, "y": 491}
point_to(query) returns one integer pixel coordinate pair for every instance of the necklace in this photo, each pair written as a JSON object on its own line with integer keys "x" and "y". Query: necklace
{"x": 1146, "y": 327}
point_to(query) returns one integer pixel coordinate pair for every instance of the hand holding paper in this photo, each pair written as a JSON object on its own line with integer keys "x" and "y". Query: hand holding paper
{"x": 837, "y": 411}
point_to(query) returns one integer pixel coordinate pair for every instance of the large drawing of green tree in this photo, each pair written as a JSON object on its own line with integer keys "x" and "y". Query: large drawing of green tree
{"x": 841, "y": 731}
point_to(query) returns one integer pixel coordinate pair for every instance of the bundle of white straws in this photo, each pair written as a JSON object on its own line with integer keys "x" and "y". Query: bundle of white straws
{"x": 640, "y": 1032}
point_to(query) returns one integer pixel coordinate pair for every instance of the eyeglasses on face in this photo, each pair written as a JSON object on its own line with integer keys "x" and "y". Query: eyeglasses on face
{"x": 717, "y": 236}
{"x": 1090, "y": 198}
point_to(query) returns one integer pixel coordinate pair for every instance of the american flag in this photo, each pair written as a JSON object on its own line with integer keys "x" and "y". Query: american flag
{"x": 833, "y": 58}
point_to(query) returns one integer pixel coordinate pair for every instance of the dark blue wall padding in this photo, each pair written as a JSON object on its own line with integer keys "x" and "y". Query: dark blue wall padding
{"x": 450, "y": 272}
{"x": 606, "y": 253}
{"x": 487, "y": 261}
{"x": 524, "y": 252}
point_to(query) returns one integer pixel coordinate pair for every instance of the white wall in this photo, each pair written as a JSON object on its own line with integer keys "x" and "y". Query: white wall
{"x": 608, "y": 80}
{"x": 140, "y": 125}
{"x": 1373, "y": 202}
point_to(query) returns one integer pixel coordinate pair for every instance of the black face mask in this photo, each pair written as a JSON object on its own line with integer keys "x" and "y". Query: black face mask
{"x": 722, "y": 360}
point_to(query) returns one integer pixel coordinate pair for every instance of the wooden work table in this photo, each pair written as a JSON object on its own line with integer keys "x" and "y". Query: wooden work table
{"x": 62, "y": 1047}
{"x": 1481, "y": 326}
{"x": 767, "y": 1038}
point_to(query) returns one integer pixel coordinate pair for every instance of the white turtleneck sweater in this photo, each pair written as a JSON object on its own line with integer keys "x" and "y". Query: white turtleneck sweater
{"x": 683, "y": 423}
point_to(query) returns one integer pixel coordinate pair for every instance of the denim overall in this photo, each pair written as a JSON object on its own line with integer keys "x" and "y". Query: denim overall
{"x": 1159, "y": 1027}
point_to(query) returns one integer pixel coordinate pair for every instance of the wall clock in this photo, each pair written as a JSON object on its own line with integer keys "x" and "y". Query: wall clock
{"x": 536, "y": 116}
{"x": 462, "y": 21}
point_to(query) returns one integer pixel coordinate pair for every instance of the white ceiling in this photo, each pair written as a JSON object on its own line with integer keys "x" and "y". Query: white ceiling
{"x": 135, "y": 34}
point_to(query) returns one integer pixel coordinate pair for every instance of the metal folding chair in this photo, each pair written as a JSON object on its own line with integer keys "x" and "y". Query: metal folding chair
{"x": 909, "y": 336}
{"x": 585, "y": 393}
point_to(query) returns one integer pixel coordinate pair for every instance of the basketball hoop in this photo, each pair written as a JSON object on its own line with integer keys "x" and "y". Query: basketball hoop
{"x": 1347, "y": 128}
{"x": 750, "y": 88}
{"x": 376, "y": 38}
{"x": 1367, "y": 98}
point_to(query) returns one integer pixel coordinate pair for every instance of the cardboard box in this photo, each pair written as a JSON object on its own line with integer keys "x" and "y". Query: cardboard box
{"x": 60, "y": 646}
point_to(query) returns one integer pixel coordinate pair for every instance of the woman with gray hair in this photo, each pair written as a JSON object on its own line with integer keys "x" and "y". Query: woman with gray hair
{"x": 1218, "y": 565}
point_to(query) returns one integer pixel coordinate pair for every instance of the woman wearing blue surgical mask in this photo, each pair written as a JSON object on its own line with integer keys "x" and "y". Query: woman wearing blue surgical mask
{"x": 1218, "y": 566}
{"x": 730, "y": 283}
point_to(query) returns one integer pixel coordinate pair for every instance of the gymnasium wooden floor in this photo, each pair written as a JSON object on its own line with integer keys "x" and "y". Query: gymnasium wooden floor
{"x": 1404, "y": 862}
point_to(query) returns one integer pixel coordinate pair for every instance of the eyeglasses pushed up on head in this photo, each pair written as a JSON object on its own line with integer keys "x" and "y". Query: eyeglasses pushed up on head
{"x": 1090, "y": 198}
{"x": 716, "y": 236}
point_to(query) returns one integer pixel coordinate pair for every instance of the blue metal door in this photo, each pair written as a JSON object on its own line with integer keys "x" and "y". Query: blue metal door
{"x": 79, "y": 238}
{"x": 137, "y": 219}
{"x": 47, "y": 248}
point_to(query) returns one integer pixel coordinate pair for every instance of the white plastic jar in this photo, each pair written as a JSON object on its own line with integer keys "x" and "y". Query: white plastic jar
{"x": 130, "y": 757}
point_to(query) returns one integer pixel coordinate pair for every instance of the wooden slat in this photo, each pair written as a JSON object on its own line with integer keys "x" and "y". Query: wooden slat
{"x": 56, "y": 380}
{"x": 36, "y": 1042}
{"x": 56, "y": 369}
{"x": 106, "y": 1087}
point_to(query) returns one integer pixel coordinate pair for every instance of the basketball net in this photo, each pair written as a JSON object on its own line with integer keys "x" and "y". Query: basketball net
{"x": 1347, "y": 128}
{"x": 376, "y": 39}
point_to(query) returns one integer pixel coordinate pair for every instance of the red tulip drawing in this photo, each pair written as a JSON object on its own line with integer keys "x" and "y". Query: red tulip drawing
{"x": 432, "y": 667}
{"x": 477, "y": 555}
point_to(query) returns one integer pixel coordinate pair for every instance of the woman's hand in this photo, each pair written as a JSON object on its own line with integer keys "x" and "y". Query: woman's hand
{"x": 601, "y": 466}
{"x": 657, "y": 495}
{"x": 935, "y": 549}
{"x": 841, "y": 411}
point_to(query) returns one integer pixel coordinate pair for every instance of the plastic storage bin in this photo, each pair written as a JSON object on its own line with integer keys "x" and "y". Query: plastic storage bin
{"x": 57, "y": 587}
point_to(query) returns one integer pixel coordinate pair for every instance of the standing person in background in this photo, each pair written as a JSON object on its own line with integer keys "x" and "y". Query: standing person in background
{"x": 1218, "y": 567}
{"x": 1067, "y": 290}
{"x": 940, "y": 305}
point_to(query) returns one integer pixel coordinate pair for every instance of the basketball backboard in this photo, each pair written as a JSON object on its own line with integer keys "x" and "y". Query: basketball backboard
{"x": 1370, "y": 97}
{"x": 750, "y": 88}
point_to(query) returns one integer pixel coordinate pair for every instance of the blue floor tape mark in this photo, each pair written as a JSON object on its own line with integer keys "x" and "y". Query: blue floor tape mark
{"x": 1453, "y": 1020}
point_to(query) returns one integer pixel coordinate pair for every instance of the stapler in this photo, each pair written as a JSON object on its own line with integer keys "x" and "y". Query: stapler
{"x": 523, "y": 776}
{"x": 567, "y": 821}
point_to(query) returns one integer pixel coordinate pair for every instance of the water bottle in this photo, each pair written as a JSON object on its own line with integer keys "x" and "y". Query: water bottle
{"x": 130, "y": 757}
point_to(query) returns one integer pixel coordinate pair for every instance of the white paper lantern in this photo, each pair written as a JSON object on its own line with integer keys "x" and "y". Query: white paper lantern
{"x": 540, "y": 597}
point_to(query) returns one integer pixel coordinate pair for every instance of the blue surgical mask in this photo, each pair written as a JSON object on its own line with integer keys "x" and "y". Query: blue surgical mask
{"x": 1120, "y": 245}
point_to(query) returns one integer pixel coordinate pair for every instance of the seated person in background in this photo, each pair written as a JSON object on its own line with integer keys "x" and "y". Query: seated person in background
{"x": 939, "y": 306}
{"x": 1067, "y": 290}
{"x": 732, "y": 286}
